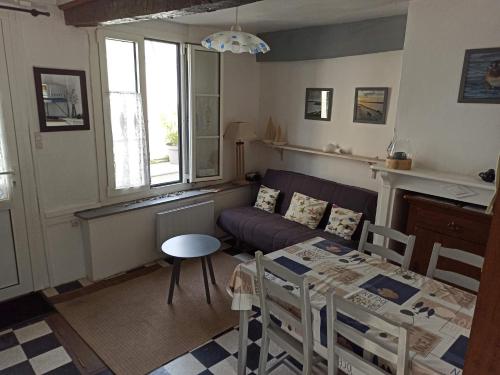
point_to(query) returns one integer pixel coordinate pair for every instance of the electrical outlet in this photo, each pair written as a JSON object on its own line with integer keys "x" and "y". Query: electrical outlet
{"x": 38, "y": 141}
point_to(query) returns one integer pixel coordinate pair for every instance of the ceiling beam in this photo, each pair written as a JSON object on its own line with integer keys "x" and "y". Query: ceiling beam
{"x": 97, "y": 12}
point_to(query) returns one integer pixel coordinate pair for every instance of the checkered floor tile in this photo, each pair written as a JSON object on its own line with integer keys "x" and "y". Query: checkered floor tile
{"x": 219, "y": 356}
{"x": 33, "y": 349}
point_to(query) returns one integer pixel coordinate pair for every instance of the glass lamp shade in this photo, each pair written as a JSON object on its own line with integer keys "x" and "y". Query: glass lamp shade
{"x": 235, "y": 41}
{"x": 400, "y": 149}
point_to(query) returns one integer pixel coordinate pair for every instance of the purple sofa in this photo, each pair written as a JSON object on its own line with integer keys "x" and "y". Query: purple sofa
{"x": 269, "y": 232}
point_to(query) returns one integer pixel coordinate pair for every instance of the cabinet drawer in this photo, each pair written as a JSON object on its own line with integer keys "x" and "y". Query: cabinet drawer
{"x": 470, "y": 228}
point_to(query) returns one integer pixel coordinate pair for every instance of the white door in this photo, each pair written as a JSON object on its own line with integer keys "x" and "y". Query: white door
{"x": 15, "y": 268}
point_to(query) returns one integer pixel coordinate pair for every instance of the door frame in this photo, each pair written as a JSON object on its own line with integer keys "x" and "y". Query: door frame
{"x": 22, "y": 115}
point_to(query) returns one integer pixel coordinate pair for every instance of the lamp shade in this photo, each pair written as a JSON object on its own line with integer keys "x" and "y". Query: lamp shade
{"x": 236, "y": 42}
{"x": 241, "y": 131}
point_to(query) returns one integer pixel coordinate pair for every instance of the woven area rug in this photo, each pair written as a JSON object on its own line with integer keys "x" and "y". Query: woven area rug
{"x": 134, "y": 331}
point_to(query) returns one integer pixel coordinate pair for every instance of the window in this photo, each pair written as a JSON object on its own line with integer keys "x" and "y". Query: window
{"x": 123, "y": 99}
{"x": 145, "y": 101}
{"x": 163, "y": 86}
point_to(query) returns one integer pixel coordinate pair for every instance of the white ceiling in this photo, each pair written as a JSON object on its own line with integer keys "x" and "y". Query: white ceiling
{"x": 273, "y": 15}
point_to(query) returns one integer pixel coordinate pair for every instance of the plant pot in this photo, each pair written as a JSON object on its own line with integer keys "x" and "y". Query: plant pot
{"x": 173, "y": 154}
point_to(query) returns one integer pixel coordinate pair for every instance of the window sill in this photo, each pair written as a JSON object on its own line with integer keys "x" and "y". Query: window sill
{"x": 95, "y": 213}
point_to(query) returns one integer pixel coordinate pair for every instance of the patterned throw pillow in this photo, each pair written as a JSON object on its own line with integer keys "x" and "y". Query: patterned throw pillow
{"x": 306, "y": 210}
{"x": 343, "y": 222}
{"x": 266, "y": 199}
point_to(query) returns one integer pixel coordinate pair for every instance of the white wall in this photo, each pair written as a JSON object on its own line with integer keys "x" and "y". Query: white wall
{"x": 446, "y": 135}
{"x": 70, "y": 169}
{"x": 282, "y": 95}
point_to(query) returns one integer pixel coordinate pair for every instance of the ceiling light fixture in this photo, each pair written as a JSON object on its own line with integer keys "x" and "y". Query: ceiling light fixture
{"x": 235, "y": 41}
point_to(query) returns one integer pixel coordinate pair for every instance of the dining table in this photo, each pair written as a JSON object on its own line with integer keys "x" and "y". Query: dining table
{"x": 438, "y": 316}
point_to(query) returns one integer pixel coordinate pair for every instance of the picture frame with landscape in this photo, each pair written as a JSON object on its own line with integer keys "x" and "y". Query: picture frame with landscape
{"x": 370, "y": 105}
{"x": 480, "y": 82}
{"x": 61, "y": 96}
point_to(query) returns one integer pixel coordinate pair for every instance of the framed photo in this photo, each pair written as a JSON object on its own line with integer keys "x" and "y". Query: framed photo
{"x": 61, "y": 97}
{"x": 480, "y": 76}
{"x": 318, "y": 104}
{"x": 370, "y": 105}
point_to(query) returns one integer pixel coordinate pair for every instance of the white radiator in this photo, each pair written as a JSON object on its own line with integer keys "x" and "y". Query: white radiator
{"x": 197, "y": 218}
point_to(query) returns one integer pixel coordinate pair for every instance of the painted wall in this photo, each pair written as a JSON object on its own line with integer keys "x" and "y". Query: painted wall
{"x": 446, "y": 135}
{"x": 69, "y": 167}
{"x": 282, "y": 93}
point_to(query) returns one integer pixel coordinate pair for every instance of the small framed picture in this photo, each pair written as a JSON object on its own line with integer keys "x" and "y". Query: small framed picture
{"x": 480, "y": 81}
{"x": 370, "y": 105}
{"x": 61, "y": 96}
{"x": 318, "y": 104}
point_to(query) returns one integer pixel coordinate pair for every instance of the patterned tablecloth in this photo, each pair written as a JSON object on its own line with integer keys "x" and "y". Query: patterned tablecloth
{"x": 437, "y": 315}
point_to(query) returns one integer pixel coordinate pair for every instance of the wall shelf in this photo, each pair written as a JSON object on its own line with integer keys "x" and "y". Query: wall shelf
{"x": 313, "y": 151}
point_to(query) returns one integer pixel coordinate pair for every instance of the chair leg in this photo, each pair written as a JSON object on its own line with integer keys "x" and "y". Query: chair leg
{"x": 211, "y": 269}
{"x": 264, "y": 351}
{"x": 205, "y": 280}
{"x": 173, "y": 279}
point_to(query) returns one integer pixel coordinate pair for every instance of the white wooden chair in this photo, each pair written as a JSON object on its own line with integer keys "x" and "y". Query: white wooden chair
{"x": 396, "y": 354}
{"x": 270, "y": 294}
{"x": 450, "y": 276}
{"x": 392, "y": 234}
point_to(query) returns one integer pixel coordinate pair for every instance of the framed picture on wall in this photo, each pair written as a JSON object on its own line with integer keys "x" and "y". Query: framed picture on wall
{"x": 318, "y": 104}
{"x": 480, "y": 81}
{"x": 61, "y": 97}
{"x": 370, "y": 105}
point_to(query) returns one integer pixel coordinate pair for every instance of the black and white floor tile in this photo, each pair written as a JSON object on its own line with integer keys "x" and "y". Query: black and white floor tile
{"x": 33, "y": 349}
{"x": 219, "y": 356}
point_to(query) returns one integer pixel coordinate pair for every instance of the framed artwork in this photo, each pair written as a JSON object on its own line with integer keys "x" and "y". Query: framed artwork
{"x": 480, "y": 81}
{"x": 370, "y": 105}
{"x": 61, "y": 97}
{"x": 318, "y": 104}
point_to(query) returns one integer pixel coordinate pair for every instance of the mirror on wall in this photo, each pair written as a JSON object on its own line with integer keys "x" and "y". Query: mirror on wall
{"x": 62, "y": 99}
{"x": 318, "y": 104}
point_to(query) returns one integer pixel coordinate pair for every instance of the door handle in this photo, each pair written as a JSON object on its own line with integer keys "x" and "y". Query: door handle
{"x": 7, "y": 173}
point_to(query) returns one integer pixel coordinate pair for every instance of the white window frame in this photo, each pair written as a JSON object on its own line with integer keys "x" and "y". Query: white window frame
{"x": 192, "y": 115}
{"x": 188, "y": 152}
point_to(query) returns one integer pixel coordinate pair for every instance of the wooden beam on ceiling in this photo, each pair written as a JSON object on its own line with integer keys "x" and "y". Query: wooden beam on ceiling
{"x": 97, "y": 12}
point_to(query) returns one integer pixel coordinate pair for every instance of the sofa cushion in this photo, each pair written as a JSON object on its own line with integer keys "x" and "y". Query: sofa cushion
{"x": 306, "y": 210}
{"x": 266, "y": 199}
{"x": 270, "y": 232}
{"x": 343, "y": 222}
{"x": 350, "y": 197}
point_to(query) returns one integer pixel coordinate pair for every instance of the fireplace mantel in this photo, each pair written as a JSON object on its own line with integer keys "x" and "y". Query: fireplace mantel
{"x": 467, "y": 189}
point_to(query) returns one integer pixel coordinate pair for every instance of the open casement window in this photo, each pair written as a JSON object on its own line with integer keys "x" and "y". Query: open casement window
{"x": 204, "y": 114}
{"x": 122, "y": 75}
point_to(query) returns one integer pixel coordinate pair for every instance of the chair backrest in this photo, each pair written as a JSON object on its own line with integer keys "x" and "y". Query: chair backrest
{"x": 280, "y": 302}
{"x": 394, "y": 353}
{"x": 450, "y": 276}
{"x": 391, "y": 234}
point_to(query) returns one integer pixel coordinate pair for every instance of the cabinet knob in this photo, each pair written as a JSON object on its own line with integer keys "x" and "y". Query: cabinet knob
{"x": 453, "y": 226}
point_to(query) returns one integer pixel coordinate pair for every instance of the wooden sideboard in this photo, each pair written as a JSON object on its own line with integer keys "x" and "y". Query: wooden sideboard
{"x": 435, "y": 220}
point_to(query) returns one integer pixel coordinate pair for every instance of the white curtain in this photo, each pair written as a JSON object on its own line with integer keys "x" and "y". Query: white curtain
{"x": 129, "y": 140}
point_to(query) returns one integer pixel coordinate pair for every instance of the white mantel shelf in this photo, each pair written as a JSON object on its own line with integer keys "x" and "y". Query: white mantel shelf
{"x": 442, "y": 177}
{"x": 394, "y": 183}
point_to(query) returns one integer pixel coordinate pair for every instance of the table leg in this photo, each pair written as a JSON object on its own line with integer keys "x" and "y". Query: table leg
{"x": 173, "y": 278}
{"x": 205, "y": 280}
{"x": 242, "y": 342}
{"x": 178, "y": 273}
{"x": 211, "y": 269}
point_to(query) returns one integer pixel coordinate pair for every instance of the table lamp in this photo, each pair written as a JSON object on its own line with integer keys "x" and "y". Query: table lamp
{"x": 240, "y": 132}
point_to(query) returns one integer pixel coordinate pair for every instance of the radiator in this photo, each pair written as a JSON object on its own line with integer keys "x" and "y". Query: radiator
{"x": 197, "y": 218}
